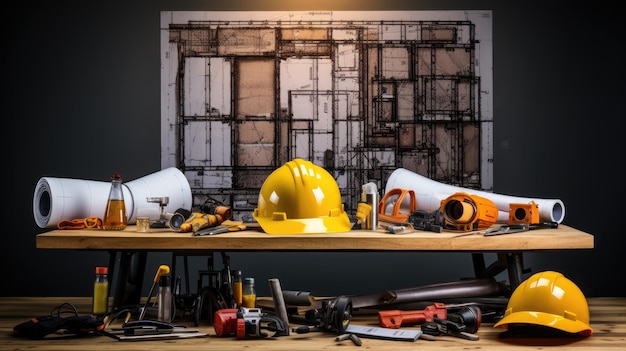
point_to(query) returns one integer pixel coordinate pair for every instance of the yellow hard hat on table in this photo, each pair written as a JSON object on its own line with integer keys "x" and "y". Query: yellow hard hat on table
{"x": 301, "y": 197}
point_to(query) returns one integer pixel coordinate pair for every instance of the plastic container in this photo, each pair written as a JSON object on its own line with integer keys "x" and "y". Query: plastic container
{"x": 100, "y": 302}
{"x": 248, "y": 297}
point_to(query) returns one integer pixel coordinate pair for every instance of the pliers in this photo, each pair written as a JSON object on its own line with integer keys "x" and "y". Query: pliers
{"x": 446, "y": 327}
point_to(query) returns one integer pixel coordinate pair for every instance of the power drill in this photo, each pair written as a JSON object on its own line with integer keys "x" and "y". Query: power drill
{"x": 246, "y": 323}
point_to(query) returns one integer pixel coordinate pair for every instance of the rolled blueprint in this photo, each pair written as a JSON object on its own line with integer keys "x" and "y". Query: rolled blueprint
{"x": 57, "y": 199}
{"x": 430, "y": 193}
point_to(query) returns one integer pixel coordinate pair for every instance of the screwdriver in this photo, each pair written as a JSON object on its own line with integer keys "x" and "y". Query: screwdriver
{"x": 219, "y": 230}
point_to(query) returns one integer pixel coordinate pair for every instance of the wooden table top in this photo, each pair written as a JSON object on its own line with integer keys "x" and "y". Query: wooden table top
{"x": 607, "y": 319}
{"x": 254, "y": 239}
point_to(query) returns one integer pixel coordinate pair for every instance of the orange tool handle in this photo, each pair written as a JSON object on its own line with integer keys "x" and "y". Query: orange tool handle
{"x": 396, "y": 318}
{"x": 396, "y": 196}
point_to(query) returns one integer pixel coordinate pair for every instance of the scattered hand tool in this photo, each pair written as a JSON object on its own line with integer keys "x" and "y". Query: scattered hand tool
{"x": 163, "y": 269}
{"x": 225, "y": 227}
{"x": 367, "y": 331}
{"x": 516, "y": 228}
{"x": 353, "y": 337}
{"x": 396, "y": 318}
{"x": 199, "y": 220}
{"x": 394, "y": 229}
{"x": 446, "y": 327}
{"x": 334, "y": 316}
{"x": 428, "y": 221}
{"x": 143, "y": 327}
{"x": 279, "y": 301}
{"x": 506, "y": 229}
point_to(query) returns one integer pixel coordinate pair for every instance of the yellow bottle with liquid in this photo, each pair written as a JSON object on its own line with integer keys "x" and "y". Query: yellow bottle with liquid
{"x": 100, "y": 303}
{"x": 115, "y": 213}
{"x": 248, "y": 298}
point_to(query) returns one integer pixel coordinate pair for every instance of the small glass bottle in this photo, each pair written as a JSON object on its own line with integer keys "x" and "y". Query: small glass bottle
{"x": 237, "y": 288}
{"x": 100, "y": 303}
{"x": 165, "y": 299}
{"x": 115, "y": 213}
{"x": 248, "y": 297}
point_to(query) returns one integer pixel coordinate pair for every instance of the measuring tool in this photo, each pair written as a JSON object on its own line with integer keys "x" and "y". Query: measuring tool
{"x": 384, "y": 333}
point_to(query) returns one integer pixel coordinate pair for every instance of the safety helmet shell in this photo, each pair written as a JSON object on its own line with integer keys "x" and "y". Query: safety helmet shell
{"x": 548, "y": 299}
{"x": 301, "y": 197}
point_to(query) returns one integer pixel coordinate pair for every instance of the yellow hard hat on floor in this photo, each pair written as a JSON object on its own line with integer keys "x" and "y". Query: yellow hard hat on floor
{"x": 548, "y": 299}
{"x": 301, "y": 197}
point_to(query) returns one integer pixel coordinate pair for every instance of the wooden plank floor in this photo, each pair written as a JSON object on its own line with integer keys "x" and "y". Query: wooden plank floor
{"x": 608, "y": 320}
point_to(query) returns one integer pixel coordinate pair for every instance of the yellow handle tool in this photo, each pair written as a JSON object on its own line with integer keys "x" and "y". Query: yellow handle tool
{"x": 163, "y": 269}
{"x": 199, "y": 221}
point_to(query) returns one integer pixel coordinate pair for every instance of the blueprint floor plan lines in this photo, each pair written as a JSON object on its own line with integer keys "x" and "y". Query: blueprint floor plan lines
{"x": 359, "y": 93}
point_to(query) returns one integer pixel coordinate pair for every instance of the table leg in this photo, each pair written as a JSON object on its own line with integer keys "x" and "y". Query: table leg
{"x": 512, "y": 262}
{"x": 112, "y": 260}
{"x": 185, "y": 271}
{"x": 478, "y": 261}
{"x": 128, "y": 278}
{"x": 483, "y": 271}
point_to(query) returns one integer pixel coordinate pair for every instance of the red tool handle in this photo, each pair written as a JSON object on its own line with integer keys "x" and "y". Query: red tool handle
{"x": 396, "y": 318}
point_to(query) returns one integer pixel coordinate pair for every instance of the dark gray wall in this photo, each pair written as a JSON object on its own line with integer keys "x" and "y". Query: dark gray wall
{"x": 81, "y": 99}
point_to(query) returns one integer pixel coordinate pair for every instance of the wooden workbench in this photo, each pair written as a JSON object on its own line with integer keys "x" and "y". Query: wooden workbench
{"x": 129, "y": 243}
{"x": 607, "y": 315}
{"x": 561, "y": 238}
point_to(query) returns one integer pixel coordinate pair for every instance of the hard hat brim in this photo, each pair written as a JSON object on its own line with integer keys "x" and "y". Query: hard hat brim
{"x": 546, "y": 320}
{"x": 336, "y": 224}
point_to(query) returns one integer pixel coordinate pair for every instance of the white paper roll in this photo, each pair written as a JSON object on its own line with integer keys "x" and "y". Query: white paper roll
{"x": 430, "y": 193}
{"x": 57, "y": 199}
